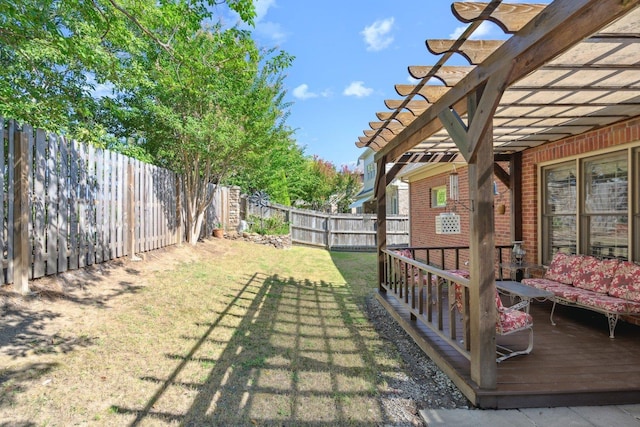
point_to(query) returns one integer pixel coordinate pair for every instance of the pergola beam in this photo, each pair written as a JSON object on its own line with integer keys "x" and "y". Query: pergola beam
{"x": 554, "y": 30}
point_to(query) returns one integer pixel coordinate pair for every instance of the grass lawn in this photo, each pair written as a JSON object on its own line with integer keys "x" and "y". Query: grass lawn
{"x": 226, "y": 333}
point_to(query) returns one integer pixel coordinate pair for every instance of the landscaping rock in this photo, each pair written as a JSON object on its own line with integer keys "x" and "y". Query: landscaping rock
{"x": 278, "y": 242}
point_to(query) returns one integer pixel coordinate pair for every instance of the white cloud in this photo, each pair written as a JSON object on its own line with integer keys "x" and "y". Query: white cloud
{"x": 484, "y": 29}
{"x": 413, "y": 81}
{"x": 357, "y": 89}
{"x": 262, "y": 7}
{"x": 271, "y": 30}
{"x": 268, "y": 29}
{"x": 376, "y": 35}
{"x": 302, "y": 92}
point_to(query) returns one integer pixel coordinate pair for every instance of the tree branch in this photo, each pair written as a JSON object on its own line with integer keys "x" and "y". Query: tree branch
{"x": 144, "y": 29}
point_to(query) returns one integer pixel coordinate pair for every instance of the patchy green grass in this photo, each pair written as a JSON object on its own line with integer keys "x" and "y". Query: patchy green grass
{"x": 226, "y": 333}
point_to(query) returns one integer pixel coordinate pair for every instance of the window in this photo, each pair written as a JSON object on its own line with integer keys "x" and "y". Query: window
{"x": 371, "y": 171}
{"x": 392, "y": 198}
{"x": 605, "y": 211}
{"x": 586, "y": 207}
{"x": 559, "y": 210}
{"x": 439, "y": 197}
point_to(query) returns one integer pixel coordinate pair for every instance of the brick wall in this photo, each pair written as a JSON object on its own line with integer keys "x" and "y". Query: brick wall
{"x": 607, "y": 137}
{"x": 423, "y": 231}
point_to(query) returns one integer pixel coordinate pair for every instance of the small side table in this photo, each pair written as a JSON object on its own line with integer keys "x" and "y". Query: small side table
{"x": 514, "y": 266}
{"x": 522, "y": 291}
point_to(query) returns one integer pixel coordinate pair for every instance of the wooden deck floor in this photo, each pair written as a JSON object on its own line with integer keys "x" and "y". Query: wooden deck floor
{"x": 574, "y": 363}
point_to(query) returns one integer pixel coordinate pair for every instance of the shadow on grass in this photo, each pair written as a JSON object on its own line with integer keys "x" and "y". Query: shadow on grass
{"x": 23, "y": 331}
{"x": 14, "y": 381}
{"x": 301, "y": 353}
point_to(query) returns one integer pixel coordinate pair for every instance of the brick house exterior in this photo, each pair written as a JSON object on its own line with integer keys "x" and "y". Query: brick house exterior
{"x": 423, "y": 179}
{"x": 620, "y": 135}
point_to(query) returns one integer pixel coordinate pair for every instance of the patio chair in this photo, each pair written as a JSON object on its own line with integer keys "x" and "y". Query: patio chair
{"x": 509, "y": 320}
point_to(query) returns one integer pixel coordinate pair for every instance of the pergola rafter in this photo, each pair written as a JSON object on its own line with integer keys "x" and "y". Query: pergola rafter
{"x": 594, "y": 81}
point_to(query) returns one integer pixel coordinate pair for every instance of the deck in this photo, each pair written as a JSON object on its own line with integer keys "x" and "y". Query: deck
{"x": 574, "y": 363}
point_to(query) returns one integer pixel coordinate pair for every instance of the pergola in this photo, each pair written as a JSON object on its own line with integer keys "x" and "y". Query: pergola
{"x": 568, "y": 67}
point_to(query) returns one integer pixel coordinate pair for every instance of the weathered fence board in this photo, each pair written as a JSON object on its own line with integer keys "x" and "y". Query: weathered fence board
{"x": 52, "y": 205}
{"x": 66, "y": 205}
{"x": 38, "y": 203}
{"x": 63, "y": 206}
{"x": 73, "y": 208}
{"x": 335, "y": 231}
{"x": 10, "y": 198}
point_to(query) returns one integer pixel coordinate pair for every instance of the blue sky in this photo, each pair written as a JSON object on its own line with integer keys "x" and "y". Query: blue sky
{"x": 349, "y": 55}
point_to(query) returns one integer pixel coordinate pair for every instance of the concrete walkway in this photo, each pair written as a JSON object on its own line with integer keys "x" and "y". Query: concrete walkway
{"x": 587, "y": 416}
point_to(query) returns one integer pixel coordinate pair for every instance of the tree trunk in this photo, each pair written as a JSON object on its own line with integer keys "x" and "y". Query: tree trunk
{"x": 195, "y": 216}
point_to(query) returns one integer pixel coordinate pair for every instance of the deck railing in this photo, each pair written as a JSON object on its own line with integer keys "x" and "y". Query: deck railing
{"x": 425, "y": 285}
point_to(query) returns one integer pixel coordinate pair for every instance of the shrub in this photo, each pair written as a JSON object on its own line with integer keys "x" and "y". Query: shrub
{"x": 273, "y": 225}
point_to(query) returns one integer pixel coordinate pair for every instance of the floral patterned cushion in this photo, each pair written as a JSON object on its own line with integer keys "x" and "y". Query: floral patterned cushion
{"x": 595, "y": 274}
{"x": 609, "y": 303}
{"x": 510, "y": 320}
{"x": 540, "y": 283}
{"x": 568, "y": 292}
{"x": 563, "y": 268}
{"x": 626, "y": 282}
{"x": 405, "y": 253}
{"x": 458, "y": 287}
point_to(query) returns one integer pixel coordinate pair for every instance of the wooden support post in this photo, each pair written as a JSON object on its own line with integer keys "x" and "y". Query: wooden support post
{"x": 21, "y": 249}
{"x": 515, "y": 176}
{"x": 482, "y": 253}
{"x": 381, "y": 230}
{"x": 515, "y": 180}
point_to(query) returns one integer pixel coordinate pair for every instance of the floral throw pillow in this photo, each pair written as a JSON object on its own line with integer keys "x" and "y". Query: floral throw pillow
{"x": 595, "y": 275}
{"x": 626, "y": 281}
{"x": 563, "y": 268}
{"x": 405, "y": 253}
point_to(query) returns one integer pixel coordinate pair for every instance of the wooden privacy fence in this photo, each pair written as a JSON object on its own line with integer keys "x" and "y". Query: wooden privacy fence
{"x": 335, "y": 231}
{"x": 67, "y": 205}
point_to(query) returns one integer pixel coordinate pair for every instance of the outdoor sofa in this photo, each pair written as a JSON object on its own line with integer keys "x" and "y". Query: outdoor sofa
{"x": 607, "y": 286}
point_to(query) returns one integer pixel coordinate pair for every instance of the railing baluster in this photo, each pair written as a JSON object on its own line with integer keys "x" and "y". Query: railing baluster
{"x": 466, "y": 319}
{"x": 452, "y": 312}
{"x": 439, "y": 305}
{"x": 406, "y": 278}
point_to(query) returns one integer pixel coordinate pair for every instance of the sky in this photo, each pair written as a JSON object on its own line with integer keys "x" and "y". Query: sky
{"x": 349, "y": 54}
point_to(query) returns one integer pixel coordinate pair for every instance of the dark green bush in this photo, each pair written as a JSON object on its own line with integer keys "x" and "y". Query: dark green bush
{"x": 273, "y": 225}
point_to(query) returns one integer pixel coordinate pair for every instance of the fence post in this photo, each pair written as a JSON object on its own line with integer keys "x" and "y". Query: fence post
{"x": 21, "y": 210}
{"x": 329, "y": 232}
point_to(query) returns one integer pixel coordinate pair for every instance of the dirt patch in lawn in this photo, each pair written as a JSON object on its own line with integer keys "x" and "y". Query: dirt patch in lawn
{"x": 224, "y": 333}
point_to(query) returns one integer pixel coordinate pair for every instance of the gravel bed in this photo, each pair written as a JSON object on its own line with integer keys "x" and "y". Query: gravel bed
{"x": 421, "y": 384}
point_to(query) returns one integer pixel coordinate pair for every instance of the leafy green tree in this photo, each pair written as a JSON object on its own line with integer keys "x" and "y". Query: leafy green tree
{"x": 196, "y": 99}
{"x": 347, "y": 184}
{"x": 55, "y": 53}
{"x": 203, "y": 109}
{"x": 276, "y": 169}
